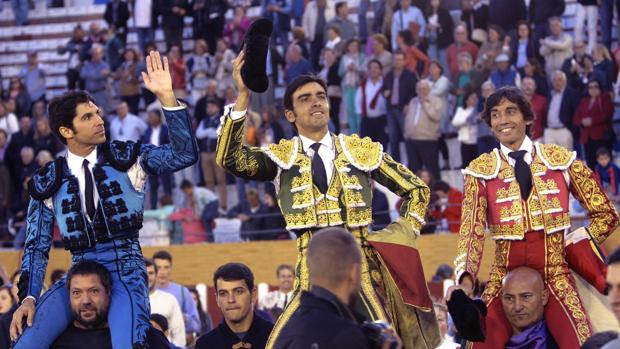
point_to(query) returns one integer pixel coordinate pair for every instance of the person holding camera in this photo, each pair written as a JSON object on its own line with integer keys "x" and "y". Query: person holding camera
{"x": 325, "y": 318}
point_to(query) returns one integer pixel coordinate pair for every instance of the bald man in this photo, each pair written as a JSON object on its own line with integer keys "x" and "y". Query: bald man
{"x": 324, "y": 319}
{"x": 524, "y": 297}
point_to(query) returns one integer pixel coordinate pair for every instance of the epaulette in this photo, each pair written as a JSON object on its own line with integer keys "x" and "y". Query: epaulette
{"x": 46, "y": 180}
{"x": 363, "y": 153}
{"x": 554, "y": 156}
{"x": 486, "y": 166}
{"x": 283, "y": 153}
{"x": 121, "y": 155}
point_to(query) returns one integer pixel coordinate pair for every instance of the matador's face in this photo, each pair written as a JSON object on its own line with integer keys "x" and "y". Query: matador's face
{"x": 310, "y": 109}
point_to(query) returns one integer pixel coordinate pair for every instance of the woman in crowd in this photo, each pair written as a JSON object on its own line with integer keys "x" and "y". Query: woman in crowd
{"x": 44, "y": 139}
{"x": 8, "y": 121}
{"x": 128, "y": 76}
{"x": 234, "y": 31}
{"x": 415, "y": 59}
{"x": 177, "y": 71}
{"x": 6, "y": 299}
{"x": 197, "y": 70}
{"x": 206, "y": 324}
{"x": 534, "y": 69}
{"x": 222, "y": 69}
{"x": 492, "y": 48}
{"x": 604, "y": 64}
{"x": 19, "y": 95}
{"x": 524, "y": 48}
{"x": 466, "y": 121}
{"x": 440, "y": 30}
{"x": 329, "y": 73}
{"x": 440, "y": 87}
{"x": 351, "y": 70}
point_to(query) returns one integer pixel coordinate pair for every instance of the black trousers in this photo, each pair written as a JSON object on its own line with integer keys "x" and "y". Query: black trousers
{"x": 424, "y": 155}
{"x": 375, "y": 129}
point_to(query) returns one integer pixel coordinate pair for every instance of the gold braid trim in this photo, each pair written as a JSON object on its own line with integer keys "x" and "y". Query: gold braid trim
{"x": 283, "y": 153}
{"x": 486, "y": 166}
{"x": 362, "y": 153}
{"x": 471, "y": 235}
{"x": 554, "y": 156}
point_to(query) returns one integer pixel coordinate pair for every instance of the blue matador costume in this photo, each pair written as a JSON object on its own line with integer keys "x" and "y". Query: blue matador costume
{"x": 110, "y": 239}
{"x": 393, "y": 287}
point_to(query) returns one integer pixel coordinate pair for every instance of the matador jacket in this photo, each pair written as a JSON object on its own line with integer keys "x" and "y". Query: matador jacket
{"x": 119, "y": 176}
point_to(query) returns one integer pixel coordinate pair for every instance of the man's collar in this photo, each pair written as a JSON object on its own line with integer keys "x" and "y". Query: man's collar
{"x": 75, "y": 161}
{"x": 325, "y": 141}
{"x": 527, "y": 145}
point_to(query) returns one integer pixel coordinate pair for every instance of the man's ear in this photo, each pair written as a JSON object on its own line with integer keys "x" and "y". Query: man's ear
{"x": 254, "y": 294}
{"x": 65, "y": 132}
{"x": 545, "y": 296}
{"x": 290, "y": 115}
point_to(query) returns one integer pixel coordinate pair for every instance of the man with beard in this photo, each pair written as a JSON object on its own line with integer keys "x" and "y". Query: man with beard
{"x": 613, "y": 287}
{"x": 236, "y": 297}
{"x": 90, "y": 286}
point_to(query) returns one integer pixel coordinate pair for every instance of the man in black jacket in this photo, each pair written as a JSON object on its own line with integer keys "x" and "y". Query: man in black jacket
{"x": 116, "y": 15}
{"x": 172, "y": 14}
{"x": 398, "y": 92}
{"x": 324, "y": 318}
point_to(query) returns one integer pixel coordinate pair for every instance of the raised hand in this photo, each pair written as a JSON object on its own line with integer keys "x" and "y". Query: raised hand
{"x": 158, "y": 80}
{"x": 243, "y": 99}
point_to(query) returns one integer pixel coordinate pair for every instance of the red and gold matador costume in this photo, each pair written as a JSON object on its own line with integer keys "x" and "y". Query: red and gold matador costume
{"x": 393, "y": 287}
{"x": 535, "y": 233}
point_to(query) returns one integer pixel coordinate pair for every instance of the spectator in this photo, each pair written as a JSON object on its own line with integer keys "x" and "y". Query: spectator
{"x": 297, "y": 65}
{"x": 33, "y": 77}
{"x": 198, "y": 68}
{"x": 234, "y": 30}
{"x": 200, "y": 112}
{"x": 607, "y": 17}
{"x": 466, "y": 122}
{"x": 558, "y": 127}
{"x": 593, "y": 118}
{"x": 613, "y": 295}
{"x": 342, "y": 22}
{"x": 334, "y": 41}
{"x": 379, "y": 48}
{"x": 440, "y": 31}
{"x": 128, "y": 75}
{"x": 422, "y": 130}
{"x": 556, "y": 47}
{"x": 299, "y": 39}
{"x": 44, "y": 139}
{"x": 196, "y": 213}
{"x": 604, "y": 65}
{"x": 440, "y": 87}
{"x": 249, "y": 212}
{"x": 236, "y": 297}
{"x": 197, "y": 198}
{"x": 598, "y": 340}
{"x": 207, "y": 142}
{"x": 430, "y": 223}
{"x": 351, "y": 68}
{"x": 466, "y": 80}
{"x": 38, "y": 110}
{"x": 608, "y": 174}
{"x": 403, "y": 18}
{"x": 475, "y": 15}
{"x": 145, "y": 22}
{"x": 126, "y": 126}
{"x": 177, "y": 71}
{"x": 524, "y": 48}
{"x": 157, "y": 134}
{"x": 56, "y": 275}
{"x": 117, "y": 15}
{"x": 448, "y": 206}
{"x": 461, "y": 44}
{"x": 540, "y": 106}
{"x": 329, "y": 73}
{"x": 95, "y": 74}
{"x": 19, "y": 140}
{"x": 415, "y": 59}
{"x": 316, "y": 16}
{"x": 19, "y": 96}
{"x": 492, "y": 48}
{"x": 524, "y": 297}
{"x": 210, "y": 22}
{"x": 534, "y": 70}
{"x": 573, "y": 65}
{"x": 324, "y": 318}
{"x": 504, "y": 75}
{"x": 20, "y": 11}
{"x": 5, "y": 183}
{"x": 8, "y": 121}
{"x": 222, "y": 69}
{"x": 273, "y": 223}
{"x": 172, "y": 14}
{"x": 280, "y": 297}
{"x": 279, "y": 11}
{"x": 398, "y": 90}
{"x": 540, "y": 12}
{"x": 205, "y": 319}
{"x": 506, "y": 14}
{"x": 163, "y": 263}
{"x": 270, "y": 130}
{"x": 78, "y": 50}
{"x": 586, "y": 9}
{"x": 89, "y": 285}
{"x": 113, "y": 49}
{"x": 6, "y": 300}
{"x": 165, "y": 304}
{"x": 441, "y": 311}
{"x": 370, "y": 104}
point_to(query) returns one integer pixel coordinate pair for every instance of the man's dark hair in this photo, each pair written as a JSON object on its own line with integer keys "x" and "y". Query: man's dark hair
{"x": 148, "y": 262}
{"x": 234, "y": 272}
{"x": 297, "y": 84}
{"x": 511, "y": 94}
{"x": 407, "y": 37}
{"x": 437, "y": 64}
{"x": 162, "y": 255}
{"x": 284, "y": 266}
{"x": 441, "y": 186}
{"x": 186, "y": 184}
{"x": 339, "y": 5}
{"x": 56, "y": 275}
{"x": 602, "y": 151}
{"x": 598, "y": 340}
{"x": 161, "y": 321}
{"x": 374, "y": 60}
{"x": 614, "y": 257}
{"x": 62, "y": 110}
{"x": 89, "y": 268}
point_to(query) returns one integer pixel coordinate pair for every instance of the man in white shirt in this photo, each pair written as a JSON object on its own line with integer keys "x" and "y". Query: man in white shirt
{"x": 370, "y": 104}
{"x": 126, "y": 126}
{"x": 404, "y": 16}
{"x": 280, "y": 297}
{"x": 165, "y": 304}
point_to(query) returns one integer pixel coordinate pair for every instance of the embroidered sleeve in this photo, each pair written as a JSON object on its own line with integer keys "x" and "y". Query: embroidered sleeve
{"x": 39, "y": 236}
{"x": 401, "y": 181}
{"x": 237, "y": 158}
{"x": 473, "y": 222}
{"x": 601, "y": 212}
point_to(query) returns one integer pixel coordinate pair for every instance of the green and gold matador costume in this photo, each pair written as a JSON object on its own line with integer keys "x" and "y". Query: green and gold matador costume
{"x": 393, "y": 287}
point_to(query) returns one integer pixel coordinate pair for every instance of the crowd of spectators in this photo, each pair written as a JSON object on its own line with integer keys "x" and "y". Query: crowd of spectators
{"x": 414, "y": 77}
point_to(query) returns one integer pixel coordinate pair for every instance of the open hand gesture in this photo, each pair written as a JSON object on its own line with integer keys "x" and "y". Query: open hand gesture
{"x": 158, "y": 80}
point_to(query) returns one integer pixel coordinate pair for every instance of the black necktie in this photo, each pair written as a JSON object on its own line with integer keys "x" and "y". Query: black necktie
{"x": 285, "y": 300}
{"x": 522, "y": 172}
{"x": 90, "y": 201}
{"x": 319, "y": 176}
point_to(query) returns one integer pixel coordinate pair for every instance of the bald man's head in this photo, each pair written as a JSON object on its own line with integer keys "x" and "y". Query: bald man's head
{"x": 524, "y": 297}
{"x": 334, "y": 262}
